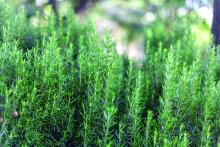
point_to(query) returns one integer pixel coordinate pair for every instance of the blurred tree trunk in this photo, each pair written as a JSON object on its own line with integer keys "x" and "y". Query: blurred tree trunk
{"x": 54, "y": 5}
{"x": 216, "y": 22}
{"x": 55, "y": 9}
{"x": 80, "y": 5}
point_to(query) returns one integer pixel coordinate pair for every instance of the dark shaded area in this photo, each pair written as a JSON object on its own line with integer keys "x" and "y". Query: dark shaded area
{"x": 216, "y": 22}
{"x": 80, "y": 5}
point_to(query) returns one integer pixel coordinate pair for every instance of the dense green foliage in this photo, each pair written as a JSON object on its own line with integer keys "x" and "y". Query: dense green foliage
{"x": 71, "y": 88}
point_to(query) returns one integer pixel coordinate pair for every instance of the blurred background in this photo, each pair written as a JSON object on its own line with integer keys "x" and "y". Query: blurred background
{"x": 133, "y": 23}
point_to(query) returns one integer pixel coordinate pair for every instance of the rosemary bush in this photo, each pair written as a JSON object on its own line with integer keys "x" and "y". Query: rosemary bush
{"x": 69, "y": 87}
